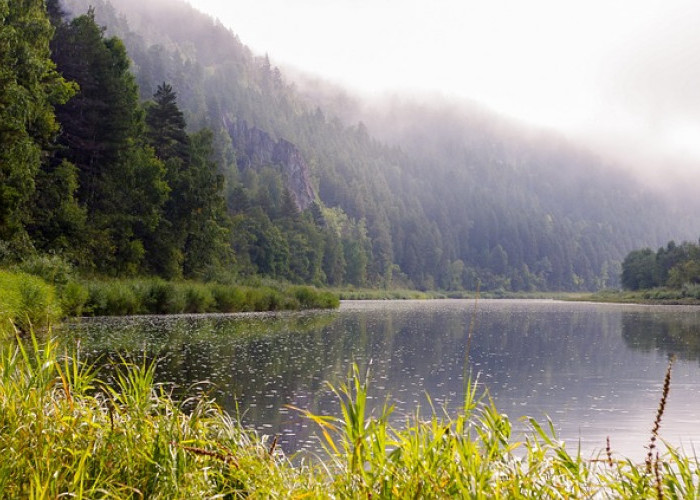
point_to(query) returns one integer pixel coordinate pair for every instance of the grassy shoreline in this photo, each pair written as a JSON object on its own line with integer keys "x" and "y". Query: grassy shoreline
{"x": 408, "y": 294}
{"x": 656, "y": 296}
{"x": 66, "y": 433}
{"x": 27, "y": 300}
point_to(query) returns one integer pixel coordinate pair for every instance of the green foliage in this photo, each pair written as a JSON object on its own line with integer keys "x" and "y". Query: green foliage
{"x": 88, "y": 439}
{"x": 193, "y": 234}
{"x": 120, "y": 183}
{"x": 51, "y": 268}
{"x": 57, "y": 222}
{"x": 675, "y": 266}
{"x": 155, "y": 296}
{"x": 73, "y": 297}
{"x": 199, "y": 298}
{"x": 26, "y": 301}
{"x": 638, "y": 269}
{"x": 310, "y": 298}
{"x": 228, "y": 298}
{"x": 29, "y": 88}
{"x": 112, "y": 298}
{"x": 162, "y": 297}
{"x": 73, "y": 434}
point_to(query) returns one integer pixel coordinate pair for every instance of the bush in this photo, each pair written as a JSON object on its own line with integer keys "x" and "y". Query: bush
{"x": 163, "y": 297}
{"x": 198, "y": 298}
{"x": 27, "y": 301}
{"x": 124, "y": 297}
{"x": 228, "y": 298}
{"x": 51, "y": 268}
{"x": 114, "y": 298}
{"x": 311, "y": 298}
{"x": 73, "y": 298}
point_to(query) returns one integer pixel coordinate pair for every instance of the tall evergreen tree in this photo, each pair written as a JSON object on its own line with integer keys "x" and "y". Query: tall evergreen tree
{"x": 193, "y": 234}
{"x": 121, "y": 182}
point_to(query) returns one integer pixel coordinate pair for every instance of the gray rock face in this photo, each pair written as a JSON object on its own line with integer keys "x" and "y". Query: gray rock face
{"x": 257, "y": 148}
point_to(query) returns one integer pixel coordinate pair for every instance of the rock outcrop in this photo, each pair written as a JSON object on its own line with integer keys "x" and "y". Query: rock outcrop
{"x": 256, "y": 148}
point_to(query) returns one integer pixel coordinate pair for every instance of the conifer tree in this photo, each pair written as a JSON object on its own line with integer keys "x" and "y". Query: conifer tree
{"x": 121, "y": 182}
{"x": 193, "y": 234}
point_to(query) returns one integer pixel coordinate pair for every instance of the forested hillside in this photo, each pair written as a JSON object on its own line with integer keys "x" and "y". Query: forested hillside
{"x": 208, "y": 161}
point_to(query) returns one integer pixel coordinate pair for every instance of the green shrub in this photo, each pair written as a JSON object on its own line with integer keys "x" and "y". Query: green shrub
{"x": 228, "y": 298}
{"x": 112, "y": 298}
{"x": 163, "y": 297}
{"x": 27, "y": 301}
{"x": 156, "y": 296}
{"x": 198, "y": 298}
{"x": 73, "y": 298}
{"x": 51, "y": 268}
{"x": 311, "y": 298}
{"x": 256, "y": 299}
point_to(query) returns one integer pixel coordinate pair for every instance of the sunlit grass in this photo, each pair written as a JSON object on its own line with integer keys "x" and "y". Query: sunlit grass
{"x": 26, "y": 301}
{"x": 65, "y": 433}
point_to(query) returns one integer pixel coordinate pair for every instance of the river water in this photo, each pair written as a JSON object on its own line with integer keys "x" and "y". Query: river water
{"x": 596, "y": 370}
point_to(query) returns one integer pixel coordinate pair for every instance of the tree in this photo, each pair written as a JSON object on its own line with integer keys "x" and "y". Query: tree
{"x": 166, "y": 130}
{"x": 638, "y": 269}
{"x": 120, "y": 181}
{"x": 30, "y": 87}
{"x": 193, "y": 233}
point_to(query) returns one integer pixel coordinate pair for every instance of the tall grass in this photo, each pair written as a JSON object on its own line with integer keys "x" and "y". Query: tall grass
{"x": 155, "y": 296}
{"x": 474, "y": 455}
{"x": 67, "y": 434}
{"x": 26, "y": 301}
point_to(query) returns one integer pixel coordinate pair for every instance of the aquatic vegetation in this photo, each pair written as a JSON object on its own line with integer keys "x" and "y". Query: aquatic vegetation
{"x": 65, "y": 432}
{"x": 156, "y": 296}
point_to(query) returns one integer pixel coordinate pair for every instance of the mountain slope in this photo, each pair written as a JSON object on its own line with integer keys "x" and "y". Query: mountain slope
{"x": 450, "y": 197}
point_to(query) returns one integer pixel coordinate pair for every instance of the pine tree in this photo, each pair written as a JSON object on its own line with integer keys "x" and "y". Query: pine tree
{"x": 121, "y": 182}
{"x": 193, "y": 234}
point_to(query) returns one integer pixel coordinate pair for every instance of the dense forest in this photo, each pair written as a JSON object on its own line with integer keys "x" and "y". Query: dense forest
{"x": 673, "y": 266}
{"x": 145, "y": 138}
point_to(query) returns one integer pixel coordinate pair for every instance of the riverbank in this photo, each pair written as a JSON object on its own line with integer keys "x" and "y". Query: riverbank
{"x": 408, "y": 294}
{"x": 69, "y": 433}
{"x": 656, "y": 296}
{"x": 26, "y": 299}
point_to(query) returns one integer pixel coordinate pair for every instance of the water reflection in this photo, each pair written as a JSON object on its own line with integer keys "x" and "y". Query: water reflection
{"x": 595, "y": 369}
{"x": 664, "y": 330}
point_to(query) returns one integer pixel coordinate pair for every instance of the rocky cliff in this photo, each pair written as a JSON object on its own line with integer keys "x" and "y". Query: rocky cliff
{"x": 256, "y": 148}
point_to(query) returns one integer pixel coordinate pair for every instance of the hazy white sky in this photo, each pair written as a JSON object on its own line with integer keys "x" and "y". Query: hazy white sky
{"x": 625, "y": 74}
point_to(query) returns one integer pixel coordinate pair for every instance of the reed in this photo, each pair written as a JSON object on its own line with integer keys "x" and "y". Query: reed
{"x": 156, "y": 296}
{"x": 68, "y": 434}
{"x": 26, "y": 301}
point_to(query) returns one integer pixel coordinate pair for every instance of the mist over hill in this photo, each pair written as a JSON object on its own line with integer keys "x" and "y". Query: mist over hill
{"x": 420, "y": 192}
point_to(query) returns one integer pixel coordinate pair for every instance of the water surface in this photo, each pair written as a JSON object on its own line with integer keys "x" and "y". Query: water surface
{"x": 596, "y": 369}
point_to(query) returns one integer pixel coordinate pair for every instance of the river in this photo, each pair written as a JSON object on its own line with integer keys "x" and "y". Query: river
{"x": 596, "y": 370}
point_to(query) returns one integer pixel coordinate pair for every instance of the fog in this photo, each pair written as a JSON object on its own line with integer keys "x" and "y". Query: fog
{"x": 621, "y": 77}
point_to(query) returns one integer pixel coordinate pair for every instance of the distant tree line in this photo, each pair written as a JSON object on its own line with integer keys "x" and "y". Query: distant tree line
{"x": 674, "y": 266}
